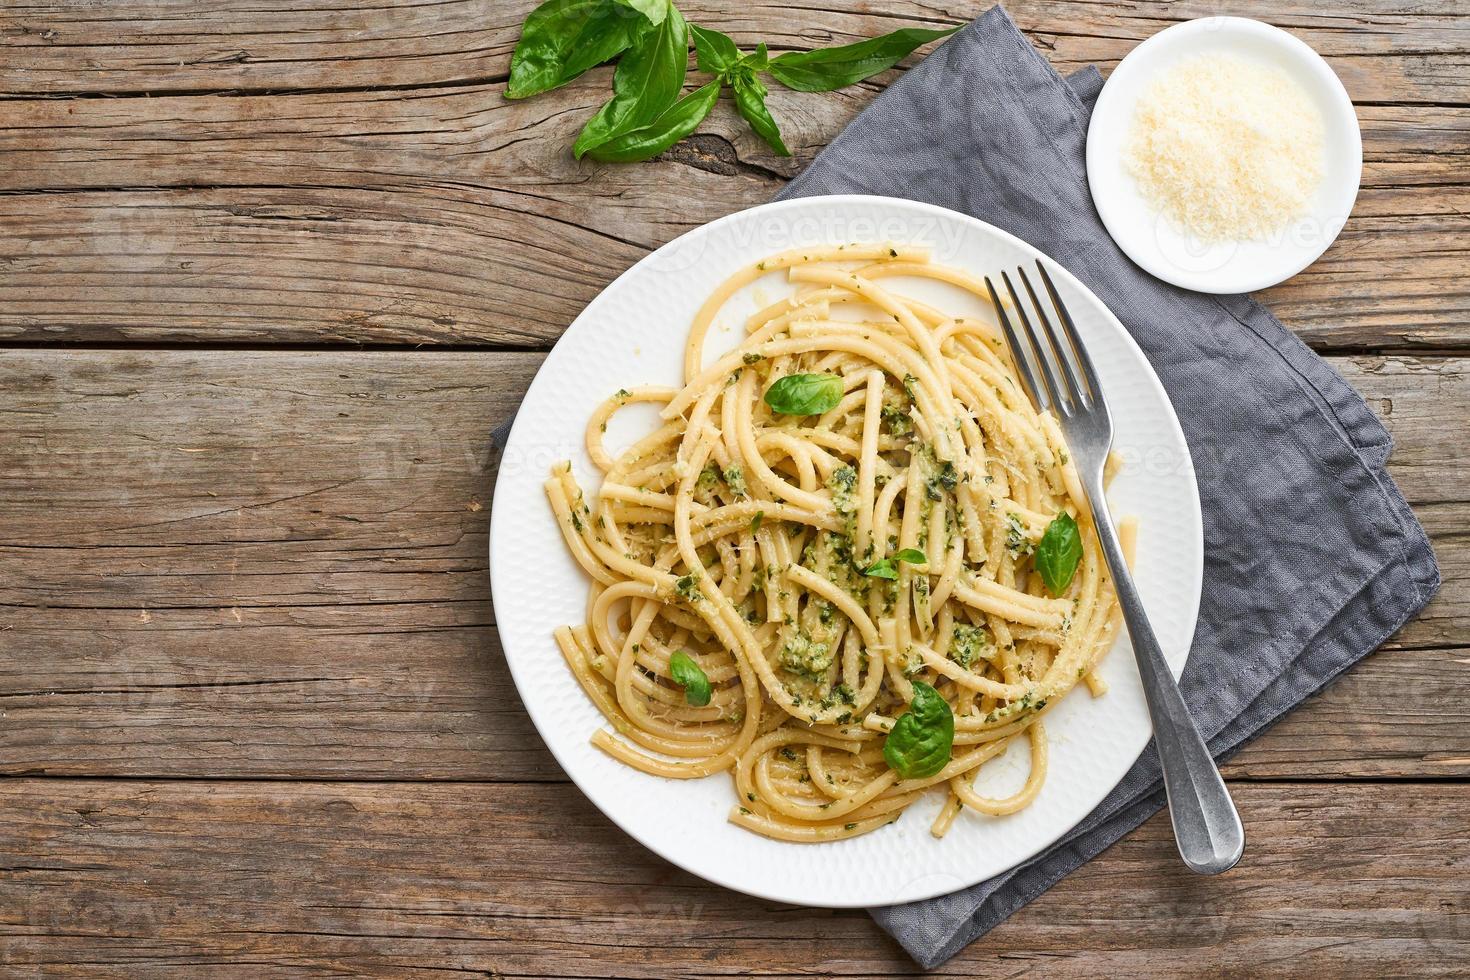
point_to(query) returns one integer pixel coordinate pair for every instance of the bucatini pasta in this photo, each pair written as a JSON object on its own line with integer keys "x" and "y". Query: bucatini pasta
{"x": 850, "y": 563}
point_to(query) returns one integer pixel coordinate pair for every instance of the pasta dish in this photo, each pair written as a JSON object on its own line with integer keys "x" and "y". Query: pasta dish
{"x": 851, "y": 561}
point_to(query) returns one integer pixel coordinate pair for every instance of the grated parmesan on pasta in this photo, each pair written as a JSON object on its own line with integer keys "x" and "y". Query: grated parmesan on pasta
{"x": 1226, "y": 148}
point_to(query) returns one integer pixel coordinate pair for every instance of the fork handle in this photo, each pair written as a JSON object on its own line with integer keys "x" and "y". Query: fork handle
{"x": 1206, "y": 826}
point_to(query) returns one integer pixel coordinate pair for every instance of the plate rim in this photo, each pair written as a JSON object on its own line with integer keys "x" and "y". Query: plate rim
{"x": 1150, "y": 376}
{"x": 1109, "y": 207}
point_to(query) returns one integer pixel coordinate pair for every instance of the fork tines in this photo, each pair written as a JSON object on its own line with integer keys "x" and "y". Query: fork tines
{"x": 1080, "y": 391}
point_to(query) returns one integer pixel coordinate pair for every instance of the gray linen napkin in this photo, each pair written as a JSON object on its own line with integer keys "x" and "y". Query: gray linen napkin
{"x": 1313, "y": 558}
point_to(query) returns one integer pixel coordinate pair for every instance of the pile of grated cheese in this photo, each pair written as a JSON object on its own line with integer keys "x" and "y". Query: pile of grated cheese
{"x": 1226, "y": 148}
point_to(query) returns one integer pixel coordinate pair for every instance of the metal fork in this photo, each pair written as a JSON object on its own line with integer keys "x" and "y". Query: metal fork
{"x": 1206, "y": 826}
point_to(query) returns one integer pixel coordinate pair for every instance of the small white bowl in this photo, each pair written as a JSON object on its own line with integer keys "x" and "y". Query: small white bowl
{"x": 1149, "y": 238}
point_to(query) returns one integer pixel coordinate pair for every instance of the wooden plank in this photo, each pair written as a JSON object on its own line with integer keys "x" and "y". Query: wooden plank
{"x": 306, "y": 265}
{"x": 178, "y": 478}
{"x": 408, "y": 690}
{"x": 1385, "y": 50}
{"x": 1397, "y": 715}
{"x": 111, "y": 877}
{"x": 449, "y": 215}
{"x": 420, "y": 690}
{"x": 448, "y": 265}
{"x": 1393, "y": 52}
{"x": 273, "y": 564}
{"x": 471, "y": 136}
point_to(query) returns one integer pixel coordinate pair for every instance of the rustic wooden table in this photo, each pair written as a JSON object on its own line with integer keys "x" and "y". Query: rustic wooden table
{"x": 271, "y": 270}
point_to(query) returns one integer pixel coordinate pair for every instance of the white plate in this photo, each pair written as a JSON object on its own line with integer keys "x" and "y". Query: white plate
{"x": 1148, "y": 237}
{"x": 634, "y": 334}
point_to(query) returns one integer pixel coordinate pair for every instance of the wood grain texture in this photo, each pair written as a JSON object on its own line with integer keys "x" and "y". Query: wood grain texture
{"x": 1385, "y": 50}
{"x": 254, "y": 715}
{"x": 181, "y": 596}
{"x": 453, "y": 265}
{"x": 343, "y": 209}
{"x": 102, "y": 878}
{"x": 420, "y": 691}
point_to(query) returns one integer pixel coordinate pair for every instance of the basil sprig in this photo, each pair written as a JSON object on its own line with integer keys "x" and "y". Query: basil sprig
{"x": 688, "y": 675}
{"x": 561, "y": 39}
{"x": 888, "y": 567}
{"x": 805, "y": 394}
{"x": 718, "y": 54}
{"x": 919, "y": 744}
{"x": 826, "y": 69}
{"x": 1058, "y": 552}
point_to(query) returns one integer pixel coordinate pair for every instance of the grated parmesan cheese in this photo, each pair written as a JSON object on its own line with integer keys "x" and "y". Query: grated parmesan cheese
{"x": 1226, "y": 148}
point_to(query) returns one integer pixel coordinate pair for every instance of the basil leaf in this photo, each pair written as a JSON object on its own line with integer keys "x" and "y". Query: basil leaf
{"x": 561, "y": 39}
{"x": 882, "y": 568}
{"x": 688, "y": 675}
{"x": 1058, "y": 552}
{"x": 718, "y": 54}
{"x": 647, "y": 81}
{"x": 758, "y": 60}
{"x": 654, "y": 10}
{"x": 676, "y": 122}
{"x": 714, "y": 52}
{"x": 888, "y": 567}
{"x": 750, "y": 99}
{"x": 825, "y": 69}
{"x": 755, "y": 522}
{"x": 919, "y": 744}
{"x": 805, "y": 394}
